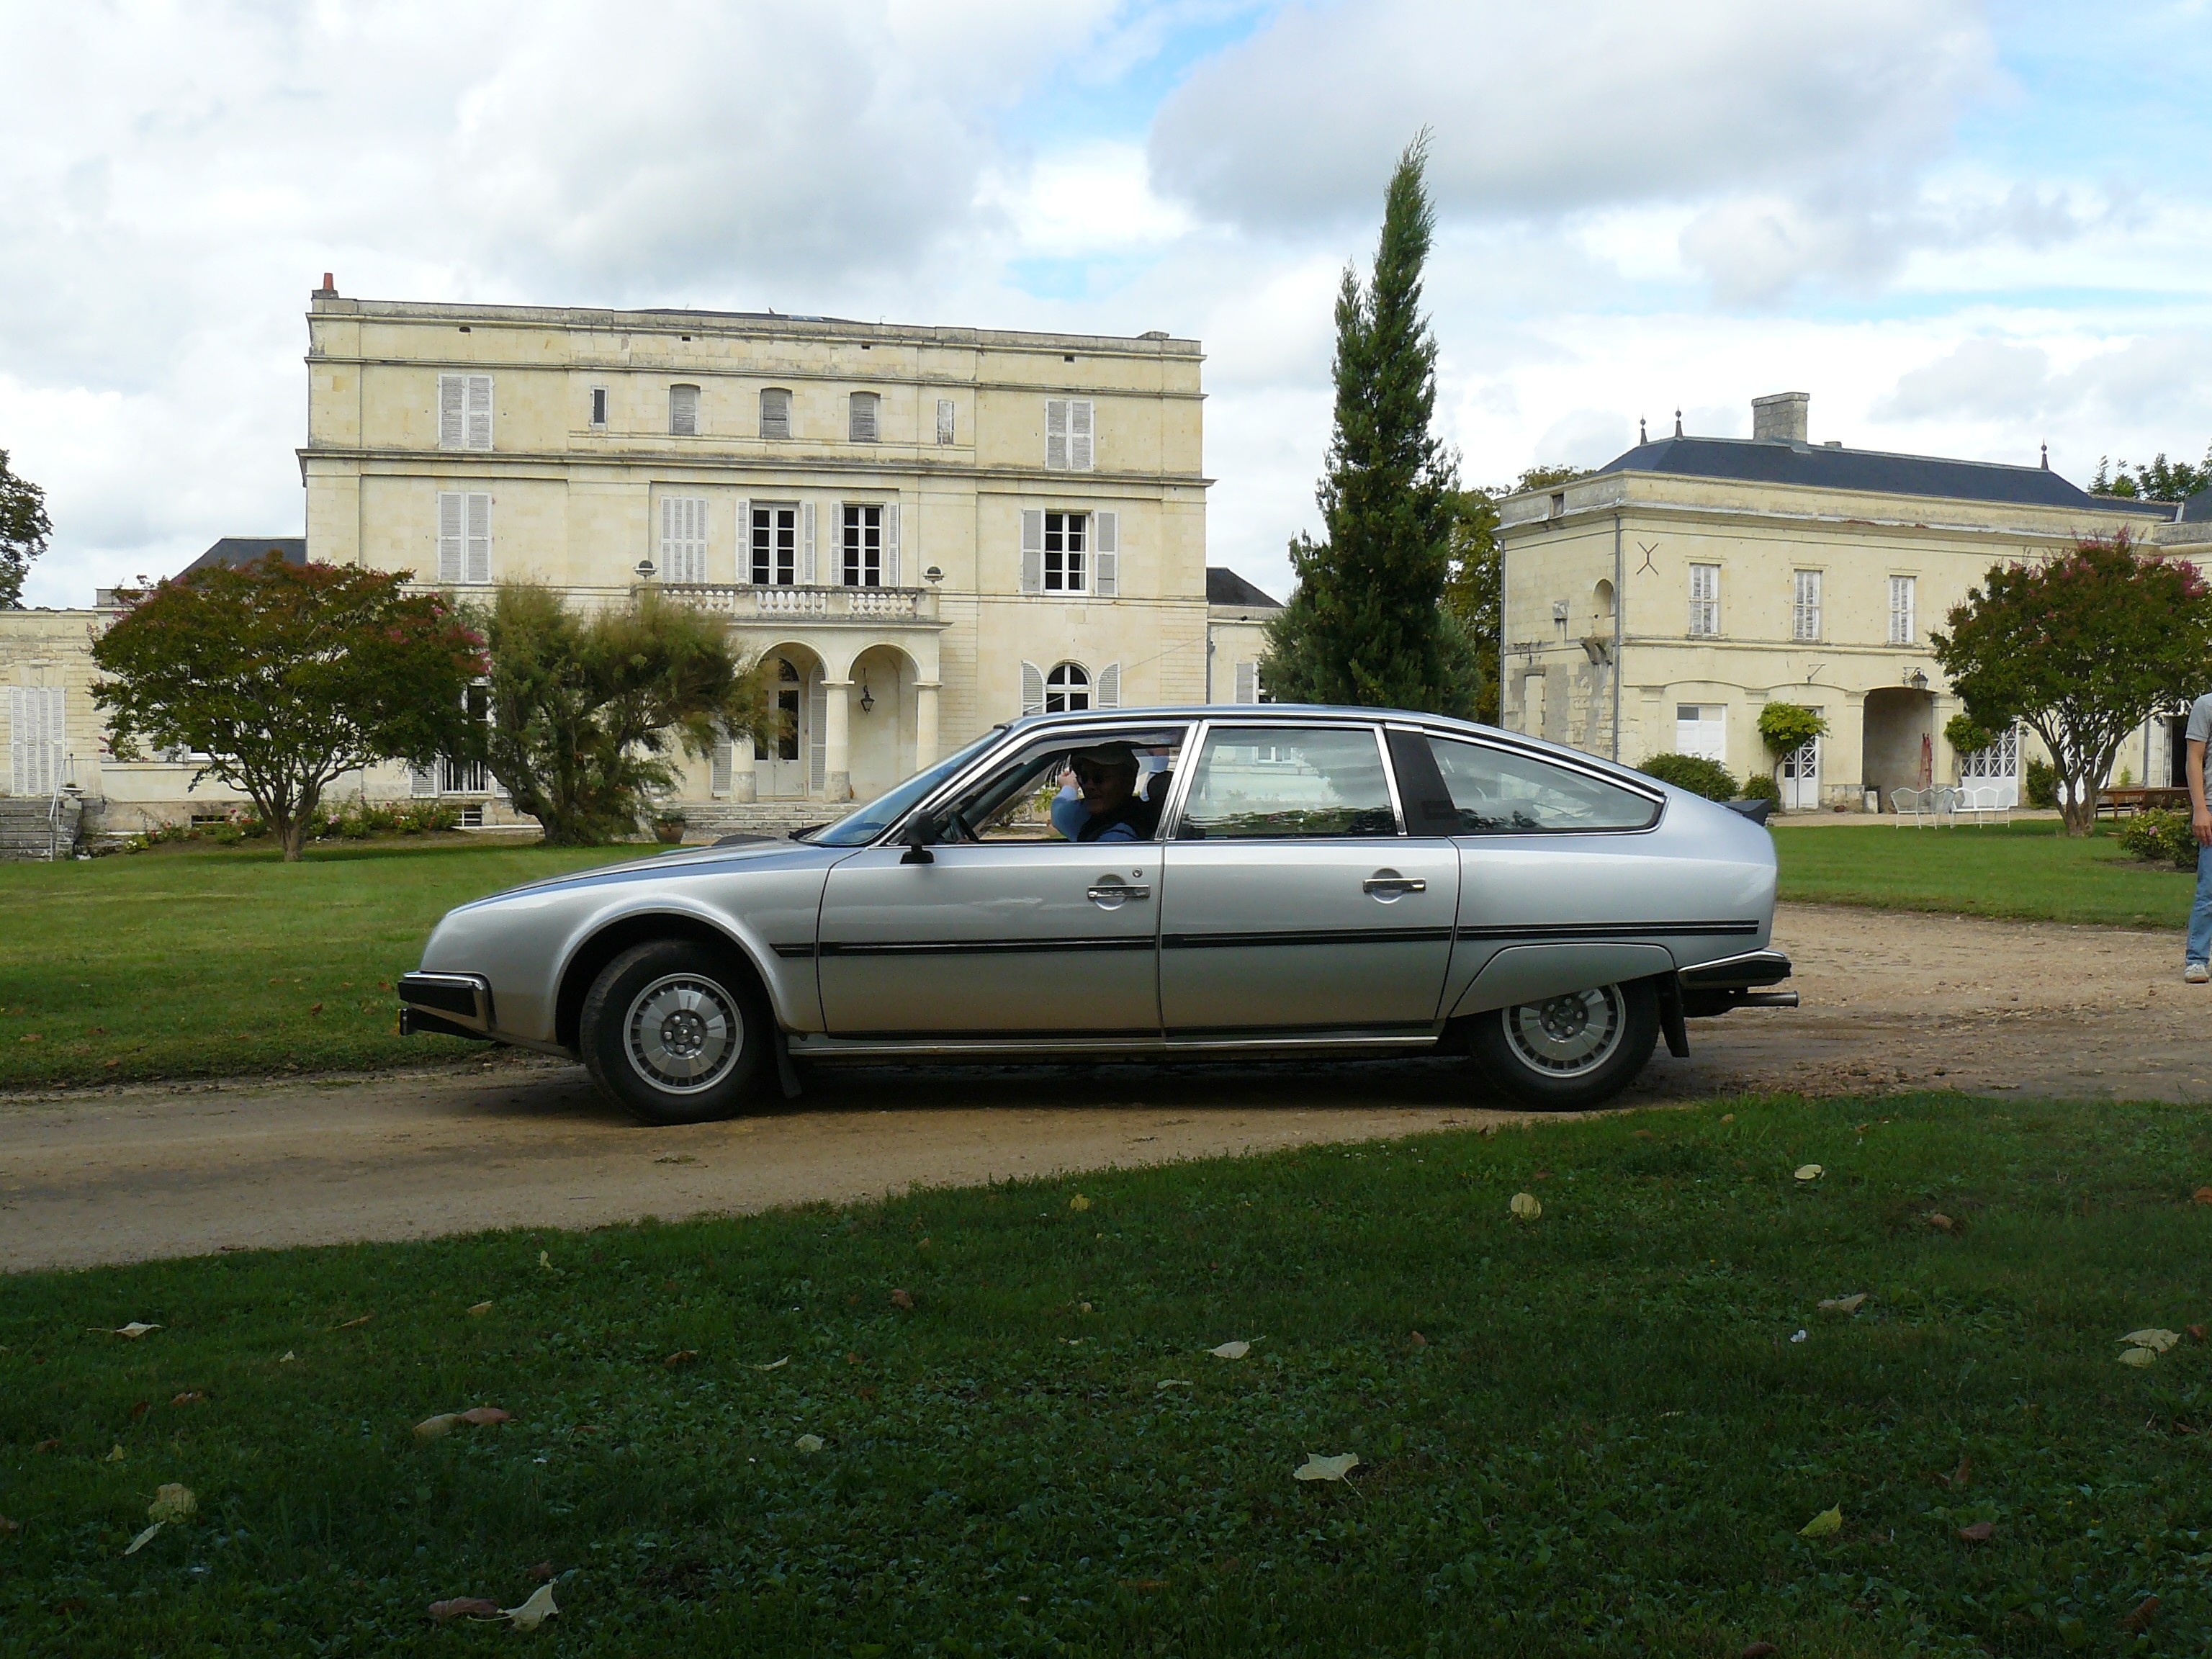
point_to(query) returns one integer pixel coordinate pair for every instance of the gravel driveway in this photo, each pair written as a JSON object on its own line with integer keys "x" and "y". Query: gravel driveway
{"x": 1892, "y": 1001}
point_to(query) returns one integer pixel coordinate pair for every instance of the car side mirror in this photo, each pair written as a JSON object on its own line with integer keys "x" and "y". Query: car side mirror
{"x": 919, "y": 836}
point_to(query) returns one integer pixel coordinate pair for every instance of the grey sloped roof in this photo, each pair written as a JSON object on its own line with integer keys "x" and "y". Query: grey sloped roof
{"x": 234, "y": 550}
{"x": 2197, "y": 509}
{"x": 1226, "y": 587}
{"x": 1816, "y": 466}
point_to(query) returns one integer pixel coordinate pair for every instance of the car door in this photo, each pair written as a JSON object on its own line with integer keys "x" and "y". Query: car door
{"x": 1010, "y": 930}
{"x": 1293, "y": 900}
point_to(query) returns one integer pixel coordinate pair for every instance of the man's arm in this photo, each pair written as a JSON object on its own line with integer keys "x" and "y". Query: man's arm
{"x": 2200, "y": 817}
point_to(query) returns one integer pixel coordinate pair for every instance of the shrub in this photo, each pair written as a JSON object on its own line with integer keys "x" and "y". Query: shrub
{"x": 1693, "y": 773}
{"x": 2042, "y": 785}
{"x": 2161, "y": 835}
{"x": 1762, "y": 787}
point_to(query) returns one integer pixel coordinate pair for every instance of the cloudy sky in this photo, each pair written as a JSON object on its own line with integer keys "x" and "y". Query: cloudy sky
{"x": 1964, "y": 229}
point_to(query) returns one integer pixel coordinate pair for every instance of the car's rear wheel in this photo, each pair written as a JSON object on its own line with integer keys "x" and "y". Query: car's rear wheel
{"x": 1571, "y": 1051}
{"x": 676, "y": 1032}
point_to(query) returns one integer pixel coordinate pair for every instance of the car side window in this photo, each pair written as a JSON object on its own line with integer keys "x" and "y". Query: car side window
{"x": 1015, "y": 802}
{"x": 1500, "y": 792}
{"x": 1273, "y": 782}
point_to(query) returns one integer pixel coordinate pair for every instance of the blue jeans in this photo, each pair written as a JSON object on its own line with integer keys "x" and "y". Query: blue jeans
{"x": 2200, "y": 913}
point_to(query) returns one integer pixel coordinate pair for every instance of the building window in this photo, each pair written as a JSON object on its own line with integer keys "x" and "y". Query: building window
{"x": 1067, "y": 690}
{"x": 683, "y": 411}
{"x": 1247, "y": 682}
{"x": 1805, "y": 612}
{"x": 1064, "y": 540}
{"x": 775, "y": 545}
{"x": 861, "y": 419}
{"x": 1705, "y": 600}
{"x": 464, "y": 537}
{"x": 1067, "y": 434}
{"x": 776, "y": 413}
{"x": 683, "y": 538}
{"x": 1900, "y": 610}
{"x": 861, "y": 546}
{"x": 37, "y": 739}
{"x": 599, "y": 406}
{"x": 464, "y": 411}
{"x": 944, "y": 419}
{"x": 1701, "y": 729}
{"x": 789, "y": 688}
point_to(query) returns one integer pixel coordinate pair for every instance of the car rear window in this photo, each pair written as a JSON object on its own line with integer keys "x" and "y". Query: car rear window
{"x": 1498, "y": 792}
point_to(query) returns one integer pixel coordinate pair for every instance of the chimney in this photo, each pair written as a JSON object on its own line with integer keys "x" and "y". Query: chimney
{"x": 329, "y": 290}
{"x": 1780, "y": 416}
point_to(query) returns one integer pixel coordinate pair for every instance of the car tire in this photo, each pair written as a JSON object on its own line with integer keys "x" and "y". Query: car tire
{"x": 1571, "y": 1052}
{"x": 676, "y": 1032}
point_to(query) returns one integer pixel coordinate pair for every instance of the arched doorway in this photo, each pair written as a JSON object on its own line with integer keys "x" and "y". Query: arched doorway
{"x": 788, "y": 764}
{"x": 1900, "y": 737}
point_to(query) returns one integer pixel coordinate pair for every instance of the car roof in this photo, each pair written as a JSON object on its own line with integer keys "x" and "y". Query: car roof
{"x": 1247, "y": 713}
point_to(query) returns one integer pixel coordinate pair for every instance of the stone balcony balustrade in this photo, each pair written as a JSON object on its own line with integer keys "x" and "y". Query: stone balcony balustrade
{"x": 831, "y": 604}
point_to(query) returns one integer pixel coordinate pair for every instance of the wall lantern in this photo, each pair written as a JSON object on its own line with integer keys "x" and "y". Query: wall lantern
{"x": 645, "y": 570}
{"x": 1918, "y": 679}
{"x": 933, "y": 575}
{"x": 868, "y": 699}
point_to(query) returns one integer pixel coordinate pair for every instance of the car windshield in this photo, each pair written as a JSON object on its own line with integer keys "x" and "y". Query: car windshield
{"x": 859, "y": 828}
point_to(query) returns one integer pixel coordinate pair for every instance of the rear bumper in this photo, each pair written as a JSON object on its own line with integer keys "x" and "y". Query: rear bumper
{"x": 452, "y": 1005}
{"x": 1713, "y": 988}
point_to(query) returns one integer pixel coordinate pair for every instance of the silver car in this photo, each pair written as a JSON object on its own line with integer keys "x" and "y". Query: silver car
{"x": 1260, "y": 880}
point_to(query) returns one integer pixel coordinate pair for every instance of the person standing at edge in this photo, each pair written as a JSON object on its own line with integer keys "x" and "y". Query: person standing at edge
{"x": 2197, "y": 960}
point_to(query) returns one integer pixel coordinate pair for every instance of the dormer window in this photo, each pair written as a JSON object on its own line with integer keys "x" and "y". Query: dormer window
{"x": 683, "y": 411}
{"x": 776, "y": 413}
{"x": 862, "y": 420}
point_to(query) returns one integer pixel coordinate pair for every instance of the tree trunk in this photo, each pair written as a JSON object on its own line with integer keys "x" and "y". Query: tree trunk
{"x": 2077, "y": 806}
{"x": 291, "y": 832}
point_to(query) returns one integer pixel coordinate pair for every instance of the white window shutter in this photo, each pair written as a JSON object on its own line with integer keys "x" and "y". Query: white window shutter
{"x": 479, "y": 412}
{"x": 944, "y": 419}
{"x": 423, "y": 779}
{"x": 745, "y": 541}
{"x": 1107, "y": 694}
{"x": 890, "y": 544}
{"x": 1032, "y": 688}
{"x": 817, "y": 722}
{"x": 718, "y": 780}
{"x": 19, "y": 740}
{"x": 477, "y": 567}
{"x": 1079, "y": 435}
{"x": 1055, "y": 433}
{"x": 453, "y": 412}
{"x": 449, "y": 537}
{"x": 806, "y": 544}
{"x": 1032, "y": 550}
{"x": 1106, "y": 555}
{"x": 1247, "y": 682}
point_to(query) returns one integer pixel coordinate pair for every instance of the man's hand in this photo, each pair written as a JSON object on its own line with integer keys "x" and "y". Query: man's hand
{"x": 2201, "y": 822}
{"x": 2200, "y": 815}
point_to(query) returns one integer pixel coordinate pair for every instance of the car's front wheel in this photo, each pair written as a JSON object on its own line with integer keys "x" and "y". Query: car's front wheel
{"x": 676, "y": 1032}
{"x": 1567, "y": 1052}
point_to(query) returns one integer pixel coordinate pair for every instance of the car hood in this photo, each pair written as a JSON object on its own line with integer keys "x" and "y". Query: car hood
{"x": 762, "y": 855}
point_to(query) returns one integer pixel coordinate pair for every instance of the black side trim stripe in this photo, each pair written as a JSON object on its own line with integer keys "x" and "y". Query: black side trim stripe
{"x": 1561, "y": 931}
{"x": 1316, "y": 936}
{"x": 795, "y": 950}
{"x": 980, "y": 947}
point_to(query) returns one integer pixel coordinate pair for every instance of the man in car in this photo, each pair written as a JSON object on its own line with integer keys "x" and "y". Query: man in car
{"x": 1102, "y": 804}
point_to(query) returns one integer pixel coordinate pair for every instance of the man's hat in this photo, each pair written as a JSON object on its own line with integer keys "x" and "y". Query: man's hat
{"x": 1113, "y": 756}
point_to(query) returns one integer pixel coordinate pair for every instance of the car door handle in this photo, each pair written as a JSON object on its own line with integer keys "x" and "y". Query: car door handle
{"x": 1385, "y": 884}
{"x": 1114, "y": 892}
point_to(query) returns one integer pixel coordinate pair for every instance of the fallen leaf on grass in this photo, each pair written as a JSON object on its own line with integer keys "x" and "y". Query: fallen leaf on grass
{"x": 316, "y": 1009}
{"x": 1526, "y": 1206}
{"x": 1728, "y": 1117}
{"x": 140, "y": 1409}
{"x": 546, "y": 1261}
{"x": 543, "y": 1572}
{"x": 486, "y": 1417}
{"x": 1942, "y": 1223}
{"x": 141, "y": 1540}
{"x": 534, "y": 1612}
{"x": 2139, "y": 1357}
{"x": 114, "y": 1456}
{"x": 2198, "y": 1332}
{"x": 1809, "y": 1172}
{"x": 1171, "y": 1382}
{"x": 2202, "y": 1195}
{"x": 354, "y": 1324}
{"x": 430, "y": 1428}
{"x": 47, "y": 1446}
{"x": 1825, "y": 1524}
{"x": 172, "y": 1502}
{"x": 902, "y": 1299}
{"x": 2146, "y": 1610}
{"x": 1849, "y": 1305}
{"x": 1979, "y": 1533}
{"x": 1231, "y": 1350}
{"x": 1799, "y": 1335}
{"x": 6, "y": 1525}
{"x": 480, "y": 1310}
{"x": 808, "y": 1443}
{"x": 681, "y": 1357}
{"x": 2156, "y": 1337}
{"x": 289, "y": 1358}
{"x": 1960, "y": 1476}
{"x": 134, "y": 1330}
{"x": 1078, "y": 1203}
{"x": 1758, "y": 1650}
{"x": 464, "y": 1606}
{"x": 774, "y": 1364}
{"x": 1317, "y": 1468}
{"x": 190, "y": 1397}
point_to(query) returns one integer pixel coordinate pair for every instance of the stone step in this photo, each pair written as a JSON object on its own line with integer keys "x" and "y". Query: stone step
{"x": 27, "y": 831}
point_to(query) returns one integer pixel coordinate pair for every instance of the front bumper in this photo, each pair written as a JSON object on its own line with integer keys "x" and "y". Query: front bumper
{"x": 451, "y": 1005}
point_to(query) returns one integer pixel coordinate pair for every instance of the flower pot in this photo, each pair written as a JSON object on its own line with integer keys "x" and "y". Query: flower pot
{"x": 670, "y": 833}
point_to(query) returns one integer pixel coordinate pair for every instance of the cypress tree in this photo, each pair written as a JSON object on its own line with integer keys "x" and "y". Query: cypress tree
{"x": 1366, "y": 625}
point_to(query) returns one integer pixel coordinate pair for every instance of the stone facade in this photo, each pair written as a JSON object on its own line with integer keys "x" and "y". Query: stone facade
{"x": 1661, "y": 602}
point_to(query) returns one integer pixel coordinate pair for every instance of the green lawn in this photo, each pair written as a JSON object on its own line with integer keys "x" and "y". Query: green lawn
{"x": 178, "y": 964}
{"x": 2022, "y": 870}
{"x": 1593, "y": 1432}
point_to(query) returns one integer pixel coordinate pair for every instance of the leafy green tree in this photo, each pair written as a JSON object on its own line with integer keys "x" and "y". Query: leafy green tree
{"x": 589, "y": 712}
{"x": 1367, "y": 624}
{"x": 1473, "y": 597}
{"x": 285, "y": 676}
{"x": 2083, "y": 649}
{"x": 24, "y": 528}
{"x": 1786, "y": 728}
{"x": 2161, "y": 480}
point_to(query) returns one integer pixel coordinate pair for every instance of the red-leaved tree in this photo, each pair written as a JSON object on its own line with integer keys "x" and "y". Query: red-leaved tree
{"x": 2083, "y": 648}
{"x": 285, "y": 676}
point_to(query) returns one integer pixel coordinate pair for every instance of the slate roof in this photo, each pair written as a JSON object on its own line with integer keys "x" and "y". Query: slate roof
{"x": 1817, "y": 466}
{"x": 234, "y": 550}
{"x": 2197, "y": 509}
{"x": 1226, "y": 587}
